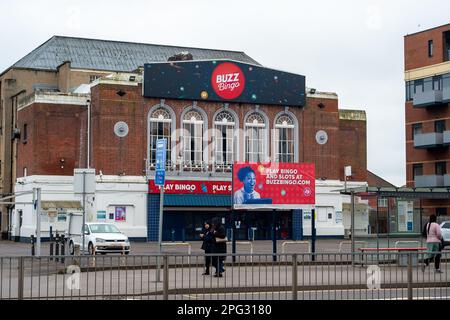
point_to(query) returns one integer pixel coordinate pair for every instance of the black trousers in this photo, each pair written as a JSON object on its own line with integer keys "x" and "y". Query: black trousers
{"x": 208, "y": 260}
{"x": 437, "y": 261}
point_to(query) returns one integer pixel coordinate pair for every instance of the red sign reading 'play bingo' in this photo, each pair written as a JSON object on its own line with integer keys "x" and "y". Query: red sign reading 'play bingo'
{"x": 273, "y": 185}
{"x": 228, "y": 81}
{"x": 192, "y": 187}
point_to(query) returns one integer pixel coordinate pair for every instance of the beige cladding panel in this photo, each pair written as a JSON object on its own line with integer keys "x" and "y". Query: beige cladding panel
{"x": 434, "y": 70}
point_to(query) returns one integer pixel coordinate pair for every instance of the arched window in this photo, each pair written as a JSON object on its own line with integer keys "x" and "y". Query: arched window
{"x": 284, "y": 139}
{"x": 224, "y": 125}
{"x": 160, "y": 128}
{"x": 193, "y": 123}
{"x": 255, "y": 138}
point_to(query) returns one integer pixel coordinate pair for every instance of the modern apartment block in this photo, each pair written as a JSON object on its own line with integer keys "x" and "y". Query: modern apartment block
{"x": 427, "y": 77}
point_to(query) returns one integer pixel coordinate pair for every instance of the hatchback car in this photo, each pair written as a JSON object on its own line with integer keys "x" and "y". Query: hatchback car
{"x": 101, "y": 238}
{"x": 445, "y": 229}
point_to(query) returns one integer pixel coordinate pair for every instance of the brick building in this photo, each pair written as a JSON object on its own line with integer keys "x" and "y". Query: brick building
{"x": 427, "y": 76}
{"x": 103, "y": 121}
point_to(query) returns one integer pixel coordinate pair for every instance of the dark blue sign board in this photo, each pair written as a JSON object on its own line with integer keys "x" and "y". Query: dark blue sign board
{"x": 223, "y": 81}
{"x": 160, "y": 174}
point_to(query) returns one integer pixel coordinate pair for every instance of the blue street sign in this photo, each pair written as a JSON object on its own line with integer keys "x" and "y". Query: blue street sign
{"x": 160, "y": 174}
{"x": 160, "y": 177}
{"x": 161, "y": 146}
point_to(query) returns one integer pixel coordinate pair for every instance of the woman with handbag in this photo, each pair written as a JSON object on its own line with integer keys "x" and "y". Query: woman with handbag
{"x": 220, "y": 246}
{"x": 434, "y": 241}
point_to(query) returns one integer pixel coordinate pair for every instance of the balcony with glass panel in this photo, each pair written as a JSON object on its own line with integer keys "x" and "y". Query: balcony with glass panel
{"x": 430, "y": 181}
{"x": 428, "y": 98}
{"x": 428, "y": 140}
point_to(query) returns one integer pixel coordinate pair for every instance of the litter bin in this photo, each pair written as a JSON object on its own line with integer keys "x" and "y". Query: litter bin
{"x": 403, "y": 259}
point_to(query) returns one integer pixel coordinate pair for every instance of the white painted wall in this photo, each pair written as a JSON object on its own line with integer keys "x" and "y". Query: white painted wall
{"x": 110, "y": 191}
{"x": 329, "y": 200}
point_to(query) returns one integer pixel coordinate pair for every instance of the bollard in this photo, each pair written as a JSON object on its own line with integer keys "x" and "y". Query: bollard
{"x": 166, "y": 278}
{"x": 32, "y": 245}
{"x": 294, "y": 277}
{"x": 51, "y": 244}
{"x": 20, "y": 279}
{"x": 410, "y": 277}
{"x": 63, "y": 248}
{"x": 57, "y": 247}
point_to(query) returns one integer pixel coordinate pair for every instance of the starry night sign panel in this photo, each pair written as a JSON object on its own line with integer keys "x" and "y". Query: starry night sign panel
{"x": 225, "y": 81}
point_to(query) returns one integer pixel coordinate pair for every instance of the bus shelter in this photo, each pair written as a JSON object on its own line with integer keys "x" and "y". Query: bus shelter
{"x": 396, "y": 215}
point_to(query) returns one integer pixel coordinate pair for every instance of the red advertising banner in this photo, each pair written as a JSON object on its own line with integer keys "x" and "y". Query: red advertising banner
{"x": 273, "y": 185}
{"x": 192, "y": 187}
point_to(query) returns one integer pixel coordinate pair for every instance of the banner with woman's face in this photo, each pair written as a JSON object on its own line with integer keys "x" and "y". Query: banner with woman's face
{"x": 273, "y": 185}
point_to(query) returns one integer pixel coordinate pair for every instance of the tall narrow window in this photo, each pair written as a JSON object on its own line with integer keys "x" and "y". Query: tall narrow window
{"x": 441, "y": 168}
{"x": 160, "y": 128}
{"x": 439, "y": 126}
{"x": 224, "y": 125}
{"x": 255, "y": 133}
{"x": 25, "y": 132}
{"x": 416, "y": 129}
{"x": 193, "y": 140}
{"x": 430, "y": 48}
{"x": 284, "y": 139}
{"x": 417, "y": 170}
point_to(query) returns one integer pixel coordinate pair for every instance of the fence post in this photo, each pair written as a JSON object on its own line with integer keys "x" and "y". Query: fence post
{"x": 20, "y": 279}
{"x": 410, "y": 277}
{"x": 294, "y": 277}
{"x": 166, "y": 278}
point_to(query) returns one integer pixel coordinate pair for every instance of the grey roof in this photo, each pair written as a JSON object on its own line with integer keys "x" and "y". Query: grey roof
{"x": 112, "y": 55}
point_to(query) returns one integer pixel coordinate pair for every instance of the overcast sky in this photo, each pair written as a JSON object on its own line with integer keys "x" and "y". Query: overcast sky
{"x": 353, "y": 48}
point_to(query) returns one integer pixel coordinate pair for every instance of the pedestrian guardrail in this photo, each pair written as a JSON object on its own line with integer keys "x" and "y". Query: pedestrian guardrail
{"x": 244, "y": 243}
{"x": 297, "y": 276}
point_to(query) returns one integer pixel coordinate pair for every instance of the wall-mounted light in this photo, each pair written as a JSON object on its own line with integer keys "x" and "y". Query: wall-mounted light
{"x": 62, "y": 161}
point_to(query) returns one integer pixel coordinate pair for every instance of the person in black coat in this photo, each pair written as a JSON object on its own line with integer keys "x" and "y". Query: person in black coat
{"x": 219, "y": 247}
{"x": 207, "y": 245}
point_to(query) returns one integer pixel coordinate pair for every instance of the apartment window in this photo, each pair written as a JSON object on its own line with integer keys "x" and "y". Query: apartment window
{"x": 437, "y": 83}
{"x": 409, "y": 90}
{"x": 447, "y": 45}
{"x": 446, "y": 81}
{"x": 428, "y": 84}
{"x": 418, "y": 86}
{"x": 441, "y": 212}
{"x": 440, "y": 168}
{"x": 417, "y": 170}
{"x": 416, "y": 129}
{"x": 430, "y": 48}
{"x": 382, "y": 202}
{"x": 439, "y": 126}
{"x": 284, "y": 139}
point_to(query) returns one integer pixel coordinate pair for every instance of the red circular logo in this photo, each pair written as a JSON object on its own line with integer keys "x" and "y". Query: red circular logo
{"x": 228, "y": 81}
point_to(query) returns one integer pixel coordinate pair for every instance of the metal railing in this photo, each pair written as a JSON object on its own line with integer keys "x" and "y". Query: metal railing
{"x": 331, "y": 276}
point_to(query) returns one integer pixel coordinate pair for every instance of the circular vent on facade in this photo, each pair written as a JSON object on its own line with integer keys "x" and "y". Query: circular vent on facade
{"x": 321, "y": 137}
{"x": 121, "y": 129}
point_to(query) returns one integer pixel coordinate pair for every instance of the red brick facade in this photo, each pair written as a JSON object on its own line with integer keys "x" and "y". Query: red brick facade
{"x": 59, "y": 131}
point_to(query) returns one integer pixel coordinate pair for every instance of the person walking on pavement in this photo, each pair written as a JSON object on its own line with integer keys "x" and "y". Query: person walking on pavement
{"x": 207, "y": 245}
{"x": 220, "y": 246}
{"x": 434, "y": 237}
